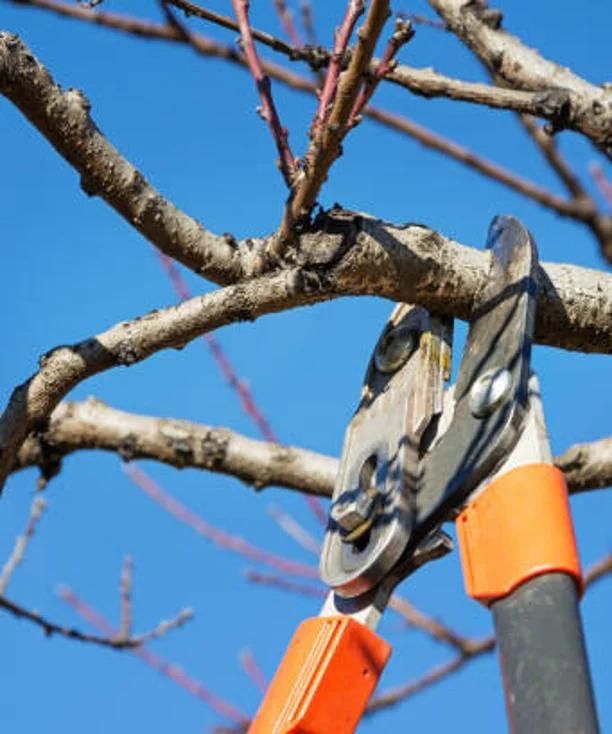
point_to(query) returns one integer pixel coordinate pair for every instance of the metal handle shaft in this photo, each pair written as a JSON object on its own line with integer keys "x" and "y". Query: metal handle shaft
{"x": 543, "y": 658}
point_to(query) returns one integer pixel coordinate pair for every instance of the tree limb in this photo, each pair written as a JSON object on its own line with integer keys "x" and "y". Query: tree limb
{"x": 571, "y": 101}
{"x": 94, "y": 425}
{"x": 352, "y": 254}
{"x": 75, "y": 426}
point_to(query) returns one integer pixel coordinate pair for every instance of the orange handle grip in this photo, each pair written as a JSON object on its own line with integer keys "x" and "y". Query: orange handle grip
{"x": 520, "y": 527}
{"x": 325, "y": 679}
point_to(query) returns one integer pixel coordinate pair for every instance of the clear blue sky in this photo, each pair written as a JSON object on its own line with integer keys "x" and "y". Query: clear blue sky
{"x": 72, "y": 268}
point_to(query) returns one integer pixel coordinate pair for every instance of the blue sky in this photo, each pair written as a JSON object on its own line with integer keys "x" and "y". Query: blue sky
{"x": 72, "y": 268}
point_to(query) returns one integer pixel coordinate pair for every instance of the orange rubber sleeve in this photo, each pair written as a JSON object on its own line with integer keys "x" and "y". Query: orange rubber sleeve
{"x": 518, "y": 528}
{"x": 325, "y": 679}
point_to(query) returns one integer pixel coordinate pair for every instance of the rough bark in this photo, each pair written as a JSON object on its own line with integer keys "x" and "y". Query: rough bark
{"x": 571, "y": 101}
{"x": 179, "y": 443}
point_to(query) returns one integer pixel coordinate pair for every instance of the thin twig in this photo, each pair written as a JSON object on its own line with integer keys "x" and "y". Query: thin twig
{"x": 21, "y": 543}
{"x": 399, "y": 123}
{"x": 603, "y": 183}
{"x": 398, "y": 694}
{"x": 417, "y": 19}
{"x": 171, "y": 671}
{"x": 307, "y": 22}
{"x": 125, "y": 596}
{"x": 241, "y": 388}
{"x": 219, "y": 537}
{"x": 52, "y": 628}
{"x": 548, "y": 145}
{"x": 252, "y": 670}
{"x": 402, "y": 35}
{"x": 268, "y": 110}
{"x": 331, "y": 121}
{"x": 598, "y": 570}
{"x": 286, "y": 19}
{"x": 434, "y": 628}
{"x": 342, "y": 36}
{"x": 294, "y": 530}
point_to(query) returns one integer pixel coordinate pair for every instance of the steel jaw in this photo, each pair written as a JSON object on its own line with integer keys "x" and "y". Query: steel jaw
{"x": 372, "y": 508}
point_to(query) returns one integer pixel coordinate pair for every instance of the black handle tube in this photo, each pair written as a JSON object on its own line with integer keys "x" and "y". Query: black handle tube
{"x": 543, "y": 658}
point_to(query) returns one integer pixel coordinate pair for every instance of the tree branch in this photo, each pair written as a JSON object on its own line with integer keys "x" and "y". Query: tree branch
{"x": 93, "y": 425}
{"x": 571, "y": 101}
{"x": 587, "y": 465}
{"x": 352, "y": 254}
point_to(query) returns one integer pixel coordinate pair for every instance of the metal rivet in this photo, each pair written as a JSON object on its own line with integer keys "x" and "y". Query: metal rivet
{"x": 490, "y": 391}
{"x": 395, "y": 348}
{"x": 355, "y": 517}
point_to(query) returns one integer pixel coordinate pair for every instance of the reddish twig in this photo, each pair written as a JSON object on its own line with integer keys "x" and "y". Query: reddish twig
{"x": 438, "y": 673}
{"x": 434, "y": 628}
{"x": 219, "y": 537}
{"x": 97, "y": 620}
{"x": 286, "y": 19}
{"x": 294, "y": 530}
{"x": 125, "y": 597}
{"x": 603, "y": 182}
{"x": 307, "y": 22}
{"x": 171, "y": 671}
{"x": 252, "y": 670}
{"x": 278, "y": 582}
{"x": 342, "y": 37}
{"x": 262, "y": 80}
{"x": 21, "y": 543}
{"x": 399, "y": 123}
{"x": 402, "y": 34}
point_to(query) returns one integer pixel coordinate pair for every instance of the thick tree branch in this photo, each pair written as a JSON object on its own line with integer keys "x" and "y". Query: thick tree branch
{"x": 571, "y": 101}
{"x": 93, "y": 425}
{"x": 132, "y": 341}
{"x": 75, "y": 426}
{"x": 348, "y": 254}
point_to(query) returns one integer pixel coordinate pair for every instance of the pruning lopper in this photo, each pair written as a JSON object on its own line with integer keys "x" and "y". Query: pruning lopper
{"x": 416, "y": 456}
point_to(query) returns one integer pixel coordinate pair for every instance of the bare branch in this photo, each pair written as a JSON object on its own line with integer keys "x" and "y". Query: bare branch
{"x": 587, "y": 465}
{"x": 16, "y": 557}
{"x": 402, "y": 34}
{"x": 342, "y": 37}
{"x": 569, "y": 100}
{"x": 231, "y": 263}
{"x": 171, "y": 671}
{"x": 328, "y": 133}
{"x": 252, "y": 669}
{"x": 268, "y": 109}
{"x": 409, "y": 264}
{"x": 603, "y": 183}
{"x": 294, "y": 530}
{"x": 401, "y": 693}
{"x": 51, "y": 628}
{"x": 125, "y": 596}
{"x": 179, "y": 443}
{"x": 219, "y": 537}
{"x": 286, "y": 19}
